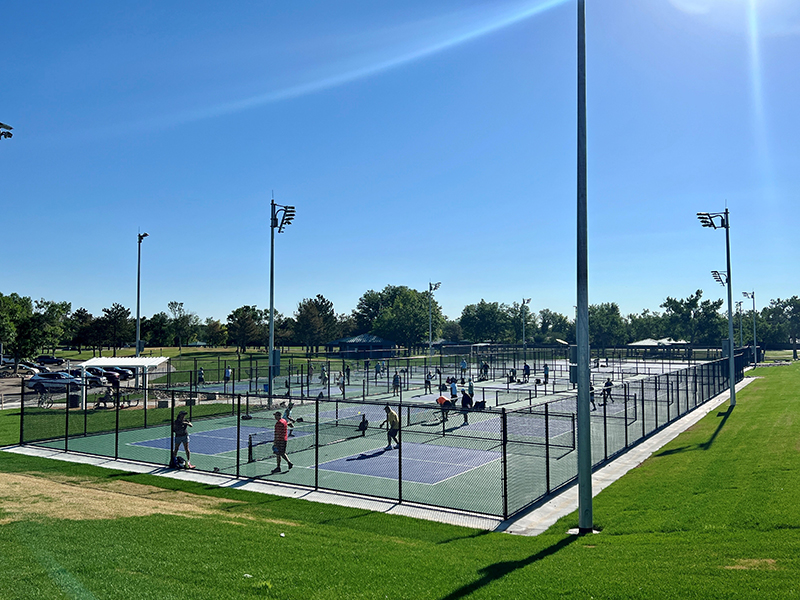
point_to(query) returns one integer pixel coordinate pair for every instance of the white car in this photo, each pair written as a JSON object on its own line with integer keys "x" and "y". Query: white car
{"x": 53, "y": 382}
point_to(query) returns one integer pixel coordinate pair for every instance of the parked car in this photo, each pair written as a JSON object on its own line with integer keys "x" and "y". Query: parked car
{"x": 108, "y": 376}
{"x": 53, "y": 382}
{"x": 29, "y": 365}
{"x": 91, "y": 379}
{"x": 46, "y": 359}
{"x": 123, "y": 373}
{"x": 8, "y": 370}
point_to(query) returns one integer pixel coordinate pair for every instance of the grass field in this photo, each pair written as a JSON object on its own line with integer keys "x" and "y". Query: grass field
{"x": 714, "y": 514}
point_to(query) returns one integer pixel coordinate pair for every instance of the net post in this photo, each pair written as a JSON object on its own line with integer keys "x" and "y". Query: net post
{"x": 504, "y": 438}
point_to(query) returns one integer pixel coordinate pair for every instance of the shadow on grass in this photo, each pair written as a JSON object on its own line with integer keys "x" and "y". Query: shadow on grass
{"x": 705, "y": 445}
{"x": 499, "y": 570}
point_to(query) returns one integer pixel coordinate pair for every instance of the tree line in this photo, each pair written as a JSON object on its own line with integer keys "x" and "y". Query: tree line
{"x": 396, "y": 313}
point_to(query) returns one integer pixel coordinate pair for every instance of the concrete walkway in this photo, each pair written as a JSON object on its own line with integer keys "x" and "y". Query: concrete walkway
{"x": 532, "y": 522}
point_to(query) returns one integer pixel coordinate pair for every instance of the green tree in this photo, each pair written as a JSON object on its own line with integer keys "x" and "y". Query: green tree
{"x": 80, "y": 327}
{"x": 184, "y": 324}
{"x": 554, "y": 326}
{"x": 216, "y": 332}
{"x": 694, "y": 320}
{"x": 645, "y": 325}
{"x": 485, "y": 322}
{"x": 606, "y": 327}
{"x": 243, "y": 326}
{"x": 514, "y": 315}
{"x": 405, "y": 321}
{"x": 156, "y": 330}
{"x": 118, "y": 325}
{"x": 451, "y": 331}
{"x": 27, "y": 326}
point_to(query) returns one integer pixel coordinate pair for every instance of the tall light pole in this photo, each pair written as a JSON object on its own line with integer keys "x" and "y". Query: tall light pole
{"x": 286, "y": 217}
{"x": 710, "y": 220}
{"x": 755, "y": 345}
{"x": 432, "y": 287}
{"x": 140, "y": 236}
{"x": 584, "y": 441}
{"x": 524, "y": 341}
{"x": 739, "y": 311}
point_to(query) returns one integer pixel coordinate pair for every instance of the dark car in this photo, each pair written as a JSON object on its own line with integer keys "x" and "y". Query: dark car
{"x": 109, "y": 376}
{"x": 46, "y": 359}
{"x": 91, "y": 379}
{"x": 123, "y": 373}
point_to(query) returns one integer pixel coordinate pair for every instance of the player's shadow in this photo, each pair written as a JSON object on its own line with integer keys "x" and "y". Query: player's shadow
{"x": 366, "y": 455}
{"x": 705, "y": 445}
{"x": 499, "y": 570}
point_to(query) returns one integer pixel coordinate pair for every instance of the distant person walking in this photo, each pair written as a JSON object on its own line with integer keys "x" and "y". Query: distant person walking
{"x": 463, "y": 367}
{"x": 428, "y": 380}
{"x": 466, "y": 405}
{"x": 392, "y": 423}
{"x": 546, "y": 373}
{"x": 179, "y": 428}
{"x": 607, "y": 386}
{"x": 227, "y": 377}
{"x": 280, "y": 439}
{"x": 526, "y": 373}
{"x": 347, "y": 373}
{"x": 377, "y": 370}
{"x": 201, "y": 376}
{"x": 396, "y": 384}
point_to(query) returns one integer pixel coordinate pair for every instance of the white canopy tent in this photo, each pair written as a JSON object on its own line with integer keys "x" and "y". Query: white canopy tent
{"x": 141, "y": 364}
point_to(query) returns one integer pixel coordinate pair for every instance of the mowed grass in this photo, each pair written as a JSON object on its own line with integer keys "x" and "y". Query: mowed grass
{"x": 714, "y": 514}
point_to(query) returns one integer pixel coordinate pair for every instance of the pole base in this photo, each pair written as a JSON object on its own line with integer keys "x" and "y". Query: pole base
{"x": 581, "y": 531}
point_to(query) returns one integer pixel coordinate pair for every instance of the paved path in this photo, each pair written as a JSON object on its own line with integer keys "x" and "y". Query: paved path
{"x": 533, "y": 522}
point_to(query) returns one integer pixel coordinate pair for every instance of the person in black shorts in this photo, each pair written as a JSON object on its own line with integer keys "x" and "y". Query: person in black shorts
{"x": 179, "y": 428}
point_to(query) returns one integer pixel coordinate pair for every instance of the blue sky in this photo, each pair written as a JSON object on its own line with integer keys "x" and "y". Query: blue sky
{"x": 419, "y": 141}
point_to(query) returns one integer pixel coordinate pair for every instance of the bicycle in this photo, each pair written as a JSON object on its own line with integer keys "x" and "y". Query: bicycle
{"x": 45, "y": 400}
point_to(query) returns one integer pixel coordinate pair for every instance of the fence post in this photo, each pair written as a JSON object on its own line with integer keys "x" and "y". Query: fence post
{"x": 547, "y": 445}
{"x": 239, "y": 434}
{"x": 399, "y": 449}
{"x": 625, "y": 399}
{"x": 504, "y": 435}
{"x": 21, "y": 411}
{"x": 116, "y": 427}
{"x": 316, "y": 443}
{"x": 66, "y": 422}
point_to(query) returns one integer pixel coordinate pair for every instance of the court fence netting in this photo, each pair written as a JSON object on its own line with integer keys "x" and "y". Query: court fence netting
{"x": 496, "y": 461}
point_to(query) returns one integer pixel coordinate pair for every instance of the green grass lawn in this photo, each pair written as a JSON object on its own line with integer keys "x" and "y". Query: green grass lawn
{"x": 714, "y": 514}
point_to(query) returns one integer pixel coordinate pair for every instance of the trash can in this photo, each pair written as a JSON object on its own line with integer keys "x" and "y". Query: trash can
{"x": 74, "y": 401}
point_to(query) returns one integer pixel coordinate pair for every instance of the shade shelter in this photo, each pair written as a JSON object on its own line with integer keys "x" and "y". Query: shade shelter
{"x": 142, "y": 365}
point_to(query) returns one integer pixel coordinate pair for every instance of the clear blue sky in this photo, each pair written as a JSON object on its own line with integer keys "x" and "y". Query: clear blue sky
{"x": 419, "y": 141}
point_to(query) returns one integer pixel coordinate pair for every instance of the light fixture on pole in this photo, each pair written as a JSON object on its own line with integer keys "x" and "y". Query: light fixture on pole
{"x": 755, "y": 345}
{"x": 432, "y": 287}
{"x": 5, "y": 131}
{"x": 286, "y": 214}
{"x": 739, "y": 310}
{"x": 711, "y": 220}
{"x": 140, "y": 237}
{"x": 524, "y": 341}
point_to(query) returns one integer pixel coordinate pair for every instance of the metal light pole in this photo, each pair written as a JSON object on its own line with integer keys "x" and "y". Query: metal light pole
{"x": 585, "y": 517}
{"x": 739, "y": 311}
{"x": 141, "y": 236}
{"x": 708, "y": 220}
{"x": 432, "y": 287}
{"x": 287, "y": 216}
{"x": 755, "y": 345}
{"x": 524, "y": 341}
